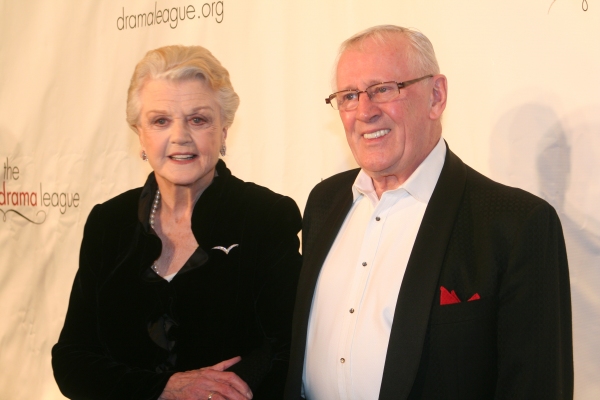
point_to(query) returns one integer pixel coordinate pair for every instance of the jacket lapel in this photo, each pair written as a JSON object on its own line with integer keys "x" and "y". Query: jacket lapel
{"x": 419, "y": 284}
{"x": 325, "y": 238}
{"x": 322, "y": 237}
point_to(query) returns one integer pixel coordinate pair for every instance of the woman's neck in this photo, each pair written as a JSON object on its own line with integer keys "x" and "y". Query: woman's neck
{"x": 177, "y": 202}
{"x": 173, "y": 225}
{"x": 177, "y": 205}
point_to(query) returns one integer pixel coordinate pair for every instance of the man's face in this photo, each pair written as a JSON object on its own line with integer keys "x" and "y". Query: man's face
{"x": 390, "y": 138}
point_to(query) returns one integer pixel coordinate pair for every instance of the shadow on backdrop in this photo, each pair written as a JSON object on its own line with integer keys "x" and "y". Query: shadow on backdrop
{"x": 558, "y": 159}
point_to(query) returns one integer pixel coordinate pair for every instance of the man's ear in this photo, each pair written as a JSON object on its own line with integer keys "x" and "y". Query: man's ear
{"x": 439, "y": 94}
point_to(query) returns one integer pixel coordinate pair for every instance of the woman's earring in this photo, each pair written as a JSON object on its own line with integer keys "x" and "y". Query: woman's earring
{"x": 144, "y": 156}
{"x": 223, "y": 150}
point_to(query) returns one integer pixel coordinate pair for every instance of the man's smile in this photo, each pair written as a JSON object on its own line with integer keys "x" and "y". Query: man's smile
{"x": 376, "y": 134}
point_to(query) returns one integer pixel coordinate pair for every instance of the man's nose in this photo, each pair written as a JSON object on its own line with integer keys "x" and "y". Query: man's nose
{"x": 366, "y": 109}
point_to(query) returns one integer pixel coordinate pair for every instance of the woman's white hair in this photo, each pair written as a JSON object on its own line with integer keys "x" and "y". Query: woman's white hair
{"x": 177, "y": 63}
{"x": 422, "y": 56}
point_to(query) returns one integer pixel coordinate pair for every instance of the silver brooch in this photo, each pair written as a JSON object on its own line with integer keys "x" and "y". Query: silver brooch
{"x": 225, "y": 250}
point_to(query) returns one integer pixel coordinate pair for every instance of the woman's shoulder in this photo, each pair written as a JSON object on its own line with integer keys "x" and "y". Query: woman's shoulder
{"x": 256, "y": 194}
{"x": 261, "y": 209}
{"x": 121, "y": 209}
{"x": 131, "y": 196}
{"x": 233, "y": 187}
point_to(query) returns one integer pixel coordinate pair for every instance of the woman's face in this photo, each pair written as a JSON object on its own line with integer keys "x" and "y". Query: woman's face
{"x": 181, "y": 131}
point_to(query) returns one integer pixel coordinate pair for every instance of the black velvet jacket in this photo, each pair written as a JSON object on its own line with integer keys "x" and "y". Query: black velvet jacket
{"x": 128, "y": 330}
{"x": 476, "y": 237}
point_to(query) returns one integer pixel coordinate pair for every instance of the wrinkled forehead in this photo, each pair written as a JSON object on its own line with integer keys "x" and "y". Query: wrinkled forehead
{"x": 196, "y": 79}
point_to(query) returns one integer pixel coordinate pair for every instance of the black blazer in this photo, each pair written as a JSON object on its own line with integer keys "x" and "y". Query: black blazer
{"x": 476, "y": 237}
{"x": 113, "y": 345}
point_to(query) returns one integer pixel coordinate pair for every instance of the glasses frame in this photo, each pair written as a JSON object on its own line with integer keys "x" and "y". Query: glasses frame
{"x": 400, "y": 85}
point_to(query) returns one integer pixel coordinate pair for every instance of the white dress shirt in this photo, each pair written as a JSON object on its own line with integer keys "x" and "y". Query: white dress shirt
{"x": 356, "y": 293}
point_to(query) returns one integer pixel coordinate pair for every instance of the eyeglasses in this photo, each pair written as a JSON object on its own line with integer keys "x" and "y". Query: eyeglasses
{"x": 347, "y": 100}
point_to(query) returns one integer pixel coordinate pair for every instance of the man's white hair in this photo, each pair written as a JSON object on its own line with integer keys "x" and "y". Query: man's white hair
{"x": 422, "y": 56}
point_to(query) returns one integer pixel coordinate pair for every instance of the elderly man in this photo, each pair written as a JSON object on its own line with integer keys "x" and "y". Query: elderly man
{"x": 423, "y": 279}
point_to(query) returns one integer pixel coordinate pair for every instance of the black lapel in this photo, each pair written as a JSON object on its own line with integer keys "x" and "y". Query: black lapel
{"x": 420, "y": 282}
{"x": 324, "y": 233}
{"x": 324, "y": 238}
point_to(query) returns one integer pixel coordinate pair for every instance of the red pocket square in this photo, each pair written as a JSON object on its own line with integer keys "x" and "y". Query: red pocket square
{"x": 474, "y": 297}
{"x": 447, "y": 297}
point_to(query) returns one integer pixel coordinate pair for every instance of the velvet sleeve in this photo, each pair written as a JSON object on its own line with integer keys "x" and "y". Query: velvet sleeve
{"x": 535, "y": 355}
{"x": 82, "y": 367}
{"x": 279, "y": 262}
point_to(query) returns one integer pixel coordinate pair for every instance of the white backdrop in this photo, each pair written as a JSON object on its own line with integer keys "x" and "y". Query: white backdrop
{"x": 523, "y": 109}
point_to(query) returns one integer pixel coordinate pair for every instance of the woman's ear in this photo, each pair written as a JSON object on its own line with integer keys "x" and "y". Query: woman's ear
{"x": 137, "y": 132}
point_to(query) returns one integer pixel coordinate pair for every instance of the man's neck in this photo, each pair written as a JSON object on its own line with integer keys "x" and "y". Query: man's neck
{"x": 385, "y": 181}
{"x": 388, "y": 182}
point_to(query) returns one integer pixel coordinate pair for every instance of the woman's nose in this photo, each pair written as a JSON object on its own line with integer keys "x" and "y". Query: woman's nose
{"x": 180, "y": 132}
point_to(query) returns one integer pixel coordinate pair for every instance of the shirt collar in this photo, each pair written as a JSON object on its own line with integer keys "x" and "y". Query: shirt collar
{"x": 419, "y": 185}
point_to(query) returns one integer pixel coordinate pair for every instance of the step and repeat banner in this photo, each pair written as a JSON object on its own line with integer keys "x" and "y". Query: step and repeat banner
{"x": 523, "y": 109}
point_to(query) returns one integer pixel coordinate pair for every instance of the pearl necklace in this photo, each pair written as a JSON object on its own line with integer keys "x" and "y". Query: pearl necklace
{"x": 152, "y": 216}
{"x": 154, "y": 207}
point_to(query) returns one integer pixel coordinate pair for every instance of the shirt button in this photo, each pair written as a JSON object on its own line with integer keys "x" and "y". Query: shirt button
{"x": 377, "y": 218}
{"x": 364, "y": 264}
{"x": 351, "y": 310}
{"x": 342, "y": 360}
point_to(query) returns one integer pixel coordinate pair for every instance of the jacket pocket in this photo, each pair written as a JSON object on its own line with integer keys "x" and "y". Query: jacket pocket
{"x": 459, "y": 312}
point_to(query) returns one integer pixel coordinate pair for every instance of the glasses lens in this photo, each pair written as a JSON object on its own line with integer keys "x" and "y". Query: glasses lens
{"x": 345, "y": 100}
{"x": 383, "y": 92}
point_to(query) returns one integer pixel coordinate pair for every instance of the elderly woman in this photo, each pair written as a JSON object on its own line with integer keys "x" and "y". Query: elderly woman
{"x": 185, "y": 286}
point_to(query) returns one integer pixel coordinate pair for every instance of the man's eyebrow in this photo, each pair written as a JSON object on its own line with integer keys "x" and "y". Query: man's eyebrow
{"x": 345, "y": 89}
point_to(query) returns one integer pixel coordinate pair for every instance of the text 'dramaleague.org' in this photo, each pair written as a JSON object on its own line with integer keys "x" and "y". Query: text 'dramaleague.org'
{"x": 171, "y": 16}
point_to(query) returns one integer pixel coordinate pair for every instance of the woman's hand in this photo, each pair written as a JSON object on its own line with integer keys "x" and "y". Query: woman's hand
{"x": 210, "y": 382}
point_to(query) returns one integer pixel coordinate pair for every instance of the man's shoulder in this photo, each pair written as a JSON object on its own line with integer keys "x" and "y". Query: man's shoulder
{"x": 334, "y": 185}
{"x": 330, "y": 194}
{"x": 483, "y": 192}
